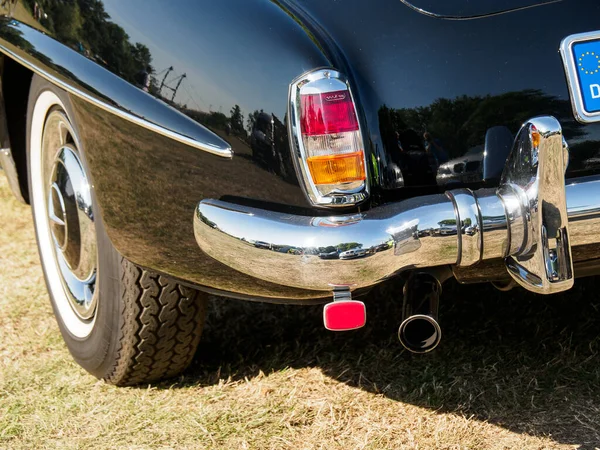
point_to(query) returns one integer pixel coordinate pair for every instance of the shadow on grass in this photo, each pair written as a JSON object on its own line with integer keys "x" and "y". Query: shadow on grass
{"x": 525, "y": 362}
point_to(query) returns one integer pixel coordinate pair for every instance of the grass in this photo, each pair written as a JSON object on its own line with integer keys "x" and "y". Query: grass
{"x": 514, "y": 370}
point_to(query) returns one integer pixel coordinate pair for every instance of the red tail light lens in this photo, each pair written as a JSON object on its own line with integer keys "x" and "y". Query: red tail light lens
{"x": 327, "y": 113}
{"x": 325, "y": 126}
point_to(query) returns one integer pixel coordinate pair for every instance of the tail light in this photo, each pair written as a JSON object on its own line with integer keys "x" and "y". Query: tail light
{"x": 326, "y": 137}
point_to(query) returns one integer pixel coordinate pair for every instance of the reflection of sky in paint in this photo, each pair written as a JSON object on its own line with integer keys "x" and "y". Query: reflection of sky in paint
{"x": 190, "y": 56}
{"x": 436, "y": 62}
{"x": 212, "y": 73}
{"x": 482, "y": 57}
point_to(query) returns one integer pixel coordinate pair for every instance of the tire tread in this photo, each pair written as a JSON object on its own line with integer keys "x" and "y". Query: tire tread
{"x": 161, "y": 324}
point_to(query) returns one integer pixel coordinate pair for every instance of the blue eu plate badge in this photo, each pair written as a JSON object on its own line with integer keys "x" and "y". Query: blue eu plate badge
{"x": 581, "y": 56}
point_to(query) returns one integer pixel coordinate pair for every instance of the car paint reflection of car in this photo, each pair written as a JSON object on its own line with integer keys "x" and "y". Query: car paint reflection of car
{"x": 354, "y": 253}
{"x": 462, "y": 170}
{"x": 329, "y": 255}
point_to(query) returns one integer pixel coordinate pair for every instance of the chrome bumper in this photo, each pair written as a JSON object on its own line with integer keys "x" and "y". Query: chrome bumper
{"x": 524, "y": 221}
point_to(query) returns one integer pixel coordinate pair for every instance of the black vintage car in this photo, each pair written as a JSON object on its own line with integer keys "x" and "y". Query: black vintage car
{"x": 295, "y": 151}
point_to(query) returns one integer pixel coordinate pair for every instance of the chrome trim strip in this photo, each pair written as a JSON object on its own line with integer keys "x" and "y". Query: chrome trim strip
{"x": 7, "y": 163}
{"x": 494, "y": 227}
{"x": 469, "y": 220}
{"x": 476, "y": 16}
{"x": 224, "y": 151}
{"x": 566, "y": 51}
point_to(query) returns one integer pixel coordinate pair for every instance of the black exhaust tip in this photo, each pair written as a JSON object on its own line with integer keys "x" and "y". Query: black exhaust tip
{"x": 420, "y": 333}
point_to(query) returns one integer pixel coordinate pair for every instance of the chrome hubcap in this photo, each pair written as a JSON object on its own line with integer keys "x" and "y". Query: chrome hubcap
{"x": 70, "y": 215}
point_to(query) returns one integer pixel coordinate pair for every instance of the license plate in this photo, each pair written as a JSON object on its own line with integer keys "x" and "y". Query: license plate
{"x": 581, "y": 57}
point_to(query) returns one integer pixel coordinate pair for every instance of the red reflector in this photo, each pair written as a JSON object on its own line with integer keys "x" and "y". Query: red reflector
{"x": 327, "y": 113}
{"x": 344, "y": 315}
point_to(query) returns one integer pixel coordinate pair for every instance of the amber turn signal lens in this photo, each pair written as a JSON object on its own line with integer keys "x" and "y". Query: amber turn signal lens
{"x": 334, "y": 169}
{"x": 535, "y": 138}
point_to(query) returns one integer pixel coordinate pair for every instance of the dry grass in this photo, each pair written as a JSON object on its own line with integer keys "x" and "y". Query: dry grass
{"x": 514, "y": 371}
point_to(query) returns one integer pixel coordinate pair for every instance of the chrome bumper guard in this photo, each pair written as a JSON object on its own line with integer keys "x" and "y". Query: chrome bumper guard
{"x": 531, "y": 221}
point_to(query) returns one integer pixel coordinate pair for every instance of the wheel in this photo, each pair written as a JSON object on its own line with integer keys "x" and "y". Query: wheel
{"x": 122, "y": 323}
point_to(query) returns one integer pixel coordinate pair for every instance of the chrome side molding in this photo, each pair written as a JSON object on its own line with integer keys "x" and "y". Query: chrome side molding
{"x": 91, "y": 82}
{"x": 533, "y": 192}
{"x": 531, "y": 221}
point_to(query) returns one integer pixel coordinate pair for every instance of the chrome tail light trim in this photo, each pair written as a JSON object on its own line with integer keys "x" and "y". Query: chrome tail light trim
{"x": 325, "y": 79}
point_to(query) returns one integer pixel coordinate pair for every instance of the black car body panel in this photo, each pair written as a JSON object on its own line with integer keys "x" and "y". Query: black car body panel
{"x": 419, "y": 81}
{"x": 457, "y": 79}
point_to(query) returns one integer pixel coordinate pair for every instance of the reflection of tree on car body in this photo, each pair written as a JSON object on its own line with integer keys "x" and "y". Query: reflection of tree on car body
{"x": 261, "y": 139}
{"x": 434, "y": 147}
{"x": 460, "y": 124}
{"x": 416, "y": 163}
{"x": 267, "y": 133}
{"x": 84, "y": 24}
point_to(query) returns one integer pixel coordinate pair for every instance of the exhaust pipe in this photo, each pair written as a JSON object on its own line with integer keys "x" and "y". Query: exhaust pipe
{"x": 420, "y": 331}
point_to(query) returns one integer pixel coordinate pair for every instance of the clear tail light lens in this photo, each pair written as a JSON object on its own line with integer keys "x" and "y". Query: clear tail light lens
{"x": 326, "y": 135}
